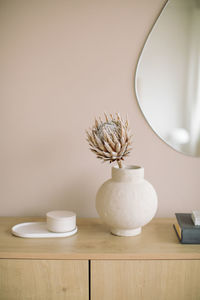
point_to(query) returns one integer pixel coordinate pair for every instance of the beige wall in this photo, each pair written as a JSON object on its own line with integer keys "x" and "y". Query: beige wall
{"x": 62, "y": 63}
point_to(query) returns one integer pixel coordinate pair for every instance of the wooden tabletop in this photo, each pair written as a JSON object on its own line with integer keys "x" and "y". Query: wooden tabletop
{"x": 94, "y": 241}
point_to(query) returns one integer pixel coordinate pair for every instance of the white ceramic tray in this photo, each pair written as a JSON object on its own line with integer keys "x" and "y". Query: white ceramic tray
{"x": 38, "y": 230}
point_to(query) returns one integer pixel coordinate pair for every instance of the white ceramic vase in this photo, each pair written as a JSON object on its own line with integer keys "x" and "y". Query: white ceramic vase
{"x": 126, "y": 202}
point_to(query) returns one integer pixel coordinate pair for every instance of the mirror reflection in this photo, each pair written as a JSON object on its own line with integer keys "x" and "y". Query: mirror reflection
{"x": 168, "y": 76}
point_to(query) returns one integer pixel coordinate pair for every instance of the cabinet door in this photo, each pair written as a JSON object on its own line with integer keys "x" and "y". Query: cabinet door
{"x": 43, "y": 279}
{"x": 147, "y": 279}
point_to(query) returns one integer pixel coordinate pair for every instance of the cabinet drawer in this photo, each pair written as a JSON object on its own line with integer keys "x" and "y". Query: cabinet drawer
{"x": 145, "y": 279}
{"x": 43, "y": 279}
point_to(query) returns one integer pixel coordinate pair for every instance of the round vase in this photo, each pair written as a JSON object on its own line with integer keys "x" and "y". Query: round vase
{"x": 126, "y": 202}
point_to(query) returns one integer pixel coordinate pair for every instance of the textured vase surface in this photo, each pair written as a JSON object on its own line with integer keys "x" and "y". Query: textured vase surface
{"x": 127, "y": 201}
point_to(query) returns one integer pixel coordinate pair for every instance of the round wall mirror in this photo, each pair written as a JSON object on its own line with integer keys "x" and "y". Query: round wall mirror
{"x": 167, "y": 78}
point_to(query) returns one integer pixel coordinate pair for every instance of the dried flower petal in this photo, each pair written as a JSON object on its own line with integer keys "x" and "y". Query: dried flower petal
{"x": 110, "y": 140}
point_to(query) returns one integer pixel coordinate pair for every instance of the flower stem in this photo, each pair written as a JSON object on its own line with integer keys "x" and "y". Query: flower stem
{"x": 120, "y": 164}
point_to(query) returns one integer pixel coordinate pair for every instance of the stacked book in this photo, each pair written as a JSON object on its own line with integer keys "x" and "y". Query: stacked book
{"x": 196, "y": 217}
{"x": 185, "y": 228}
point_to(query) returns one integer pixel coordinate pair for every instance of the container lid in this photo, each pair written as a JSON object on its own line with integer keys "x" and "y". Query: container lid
{"x": 60, "y": 214}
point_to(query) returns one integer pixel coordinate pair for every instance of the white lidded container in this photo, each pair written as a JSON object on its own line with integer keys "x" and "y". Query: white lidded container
{"x": 61, "y": 221}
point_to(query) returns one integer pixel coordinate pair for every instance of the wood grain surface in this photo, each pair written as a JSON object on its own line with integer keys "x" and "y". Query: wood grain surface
{"x": 43, "y": 279}
{"x": 94, "y": 241}
{"x": 147, "y": 279}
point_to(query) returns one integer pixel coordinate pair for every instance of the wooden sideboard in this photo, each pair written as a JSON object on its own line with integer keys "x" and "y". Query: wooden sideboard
{"x": 94, "y": 264}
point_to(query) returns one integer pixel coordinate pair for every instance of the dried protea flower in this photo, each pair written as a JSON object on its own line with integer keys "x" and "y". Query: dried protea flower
{"x": 110, "y": 140}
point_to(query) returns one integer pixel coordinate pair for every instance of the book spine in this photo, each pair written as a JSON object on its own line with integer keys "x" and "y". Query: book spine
{"x": 190, "y": 236}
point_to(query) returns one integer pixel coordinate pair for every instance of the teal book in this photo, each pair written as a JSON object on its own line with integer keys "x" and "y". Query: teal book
{"x": 185, "y": 229}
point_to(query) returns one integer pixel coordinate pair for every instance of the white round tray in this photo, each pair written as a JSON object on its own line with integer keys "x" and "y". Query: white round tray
{"x": 38, "y": 230}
